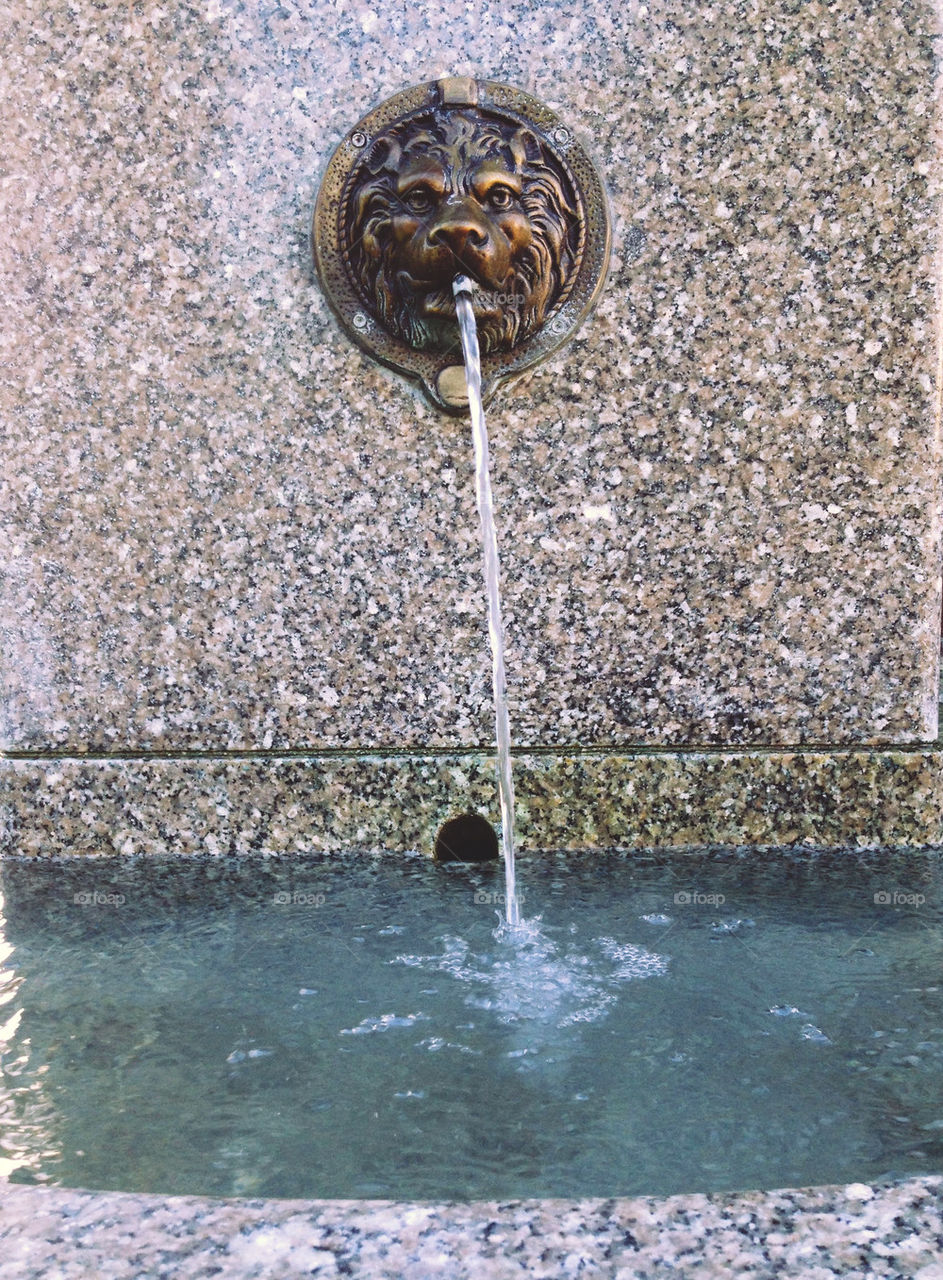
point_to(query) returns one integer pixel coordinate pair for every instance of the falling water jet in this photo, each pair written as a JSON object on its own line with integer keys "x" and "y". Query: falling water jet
{"x": 387, "y": 289}
{"x": 462, "y": 288}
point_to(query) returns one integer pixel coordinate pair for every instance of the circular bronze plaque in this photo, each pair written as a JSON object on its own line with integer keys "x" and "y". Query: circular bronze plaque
{"x": 460, "y": 177}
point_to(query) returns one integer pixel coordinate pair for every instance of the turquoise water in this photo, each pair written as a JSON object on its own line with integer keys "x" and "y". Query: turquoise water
{"x": 354, "y": 1028}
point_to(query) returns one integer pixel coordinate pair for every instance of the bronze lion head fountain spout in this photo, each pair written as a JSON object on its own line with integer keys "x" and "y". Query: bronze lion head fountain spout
{"x": 460, "y": 177}
{"x": 462, "y": 195}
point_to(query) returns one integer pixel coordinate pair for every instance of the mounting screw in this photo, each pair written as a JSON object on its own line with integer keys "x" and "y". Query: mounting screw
{"x": 358, "y": 139}
{"x": 557, "y": 325}
{"x": 360, "y": 320}
{"x": 561, "y": 137}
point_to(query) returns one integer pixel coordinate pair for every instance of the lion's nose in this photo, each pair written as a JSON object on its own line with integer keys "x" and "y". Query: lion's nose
{"x": 459, "y": 232}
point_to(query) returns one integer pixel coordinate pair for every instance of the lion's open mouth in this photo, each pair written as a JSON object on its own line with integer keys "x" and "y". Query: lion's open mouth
{"x": 436, "y": 301}
{"x": 432, "y": 301}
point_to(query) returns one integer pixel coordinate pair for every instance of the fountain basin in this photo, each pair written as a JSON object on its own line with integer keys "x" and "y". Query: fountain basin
{"x": 728, "y": 487}
{"x": 347, "y": 1026}
{"x": 165, "y": 910}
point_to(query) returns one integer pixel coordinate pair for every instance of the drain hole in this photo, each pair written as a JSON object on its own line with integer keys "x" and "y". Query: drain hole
{"x": 466, "y": 838}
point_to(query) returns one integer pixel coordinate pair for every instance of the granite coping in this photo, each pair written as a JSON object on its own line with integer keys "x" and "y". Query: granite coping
{"x": 857, "y": 1232}
{"x": 297, "y": 803}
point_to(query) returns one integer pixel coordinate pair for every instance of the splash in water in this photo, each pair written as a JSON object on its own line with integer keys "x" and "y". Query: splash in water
{"x": 541, "y": 990}
{"x": 462, "y": 288}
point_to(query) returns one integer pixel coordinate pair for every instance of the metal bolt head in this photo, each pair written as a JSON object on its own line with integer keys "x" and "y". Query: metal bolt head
{"x": 358, "y": 139}
{"x": 561, "y": 137}
{"x": 361, "y": 321}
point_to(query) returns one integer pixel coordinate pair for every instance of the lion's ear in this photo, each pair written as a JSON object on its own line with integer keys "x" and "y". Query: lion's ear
{"x": 525, "y": 147}
{"x": 384, "y": 154}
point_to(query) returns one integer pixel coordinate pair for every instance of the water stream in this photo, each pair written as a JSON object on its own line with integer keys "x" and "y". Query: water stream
{"x": 463, "y": 288}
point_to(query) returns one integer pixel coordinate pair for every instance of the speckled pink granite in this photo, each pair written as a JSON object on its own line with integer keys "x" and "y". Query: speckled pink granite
{"x": 224, "y": 527}
{"x": 855, "y": 1232}
{"x": 633, "y": 800}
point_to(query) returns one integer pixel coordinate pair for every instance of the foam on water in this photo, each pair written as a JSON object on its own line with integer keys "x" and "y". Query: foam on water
{"x": 532, "y": 978}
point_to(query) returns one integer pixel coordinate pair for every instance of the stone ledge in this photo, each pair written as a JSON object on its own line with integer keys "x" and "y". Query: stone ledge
{"x": 854, "y": 1231}
{"x": 301, "y": 804}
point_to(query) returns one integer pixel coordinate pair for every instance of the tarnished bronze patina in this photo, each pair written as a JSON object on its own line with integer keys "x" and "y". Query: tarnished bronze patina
{"x": 460, "y": 177}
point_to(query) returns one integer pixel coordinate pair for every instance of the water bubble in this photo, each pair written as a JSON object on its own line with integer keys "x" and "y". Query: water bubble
{"x": 434, "y": 1043}
{"x": 241, "y": 1055}
{"x": 632, "y": 960}
{"x": 383, "y": 1023}
{"x": 722, "y": 927}
{"x": 811, "y": 1032}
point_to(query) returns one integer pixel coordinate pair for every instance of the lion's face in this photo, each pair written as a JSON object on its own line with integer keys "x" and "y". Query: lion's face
{"x": 460, "y": 195}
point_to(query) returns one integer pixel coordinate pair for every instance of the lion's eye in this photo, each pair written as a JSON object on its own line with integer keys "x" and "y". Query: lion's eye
{"x": 500, "y": 197}
{"x": 419, "y": 201}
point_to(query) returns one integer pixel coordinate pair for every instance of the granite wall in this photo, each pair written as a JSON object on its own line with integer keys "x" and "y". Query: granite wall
{"x": 227, "y": 533}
